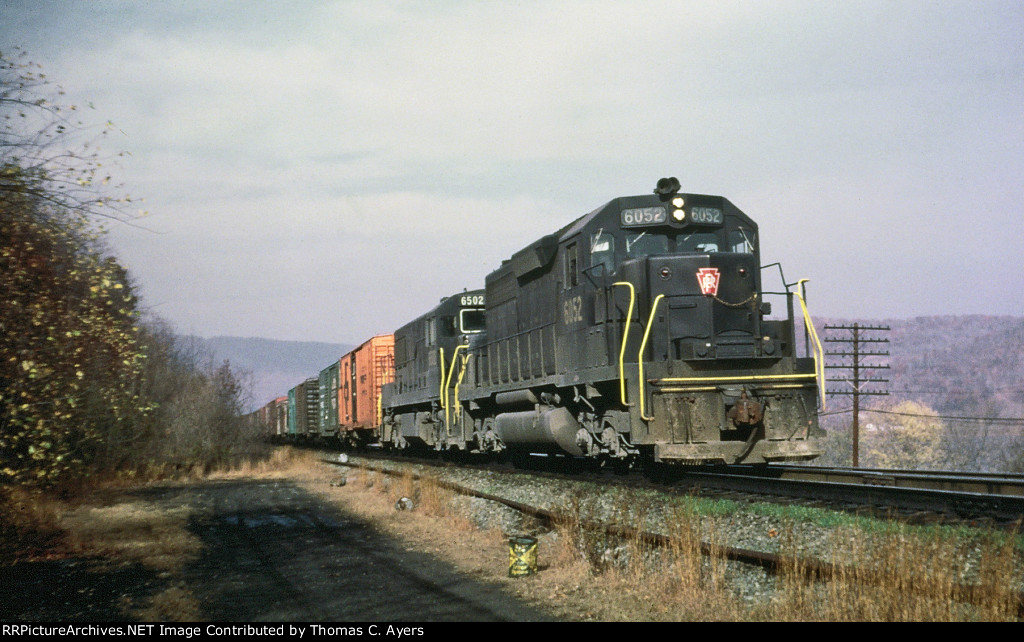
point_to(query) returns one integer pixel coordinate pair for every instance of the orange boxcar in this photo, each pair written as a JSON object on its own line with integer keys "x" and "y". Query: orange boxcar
{"x": 362, "y": 373}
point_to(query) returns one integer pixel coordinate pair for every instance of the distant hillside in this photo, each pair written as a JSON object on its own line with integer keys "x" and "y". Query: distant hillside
{"x": 958, "y": 365}
{"x": 271, "y": 366}
{"x": 968, "y": 369}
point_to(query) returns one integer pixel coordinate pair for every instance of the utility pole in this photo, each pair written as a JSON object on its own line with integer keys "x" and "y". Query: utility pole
{"x": 851, "y": 357}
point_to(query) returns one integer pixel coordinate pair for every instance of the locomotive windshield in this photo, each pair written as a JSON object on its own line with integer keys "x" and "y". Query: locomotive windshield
{"x": 471, "y": 321}
{"x": 702, "y": 242}
{"x": 637, "y": 243}
{"x": 648, "y": 242}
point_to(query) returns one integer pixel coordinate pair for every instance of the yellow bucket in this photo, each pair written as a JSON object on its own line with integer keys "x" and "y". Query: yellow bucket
{"x": 522, "y": 556}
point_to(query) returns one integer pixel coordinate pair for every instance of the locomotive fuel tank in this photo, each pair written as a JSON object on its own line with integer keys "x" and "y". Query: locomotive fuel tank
{"x": 540, "y": 430}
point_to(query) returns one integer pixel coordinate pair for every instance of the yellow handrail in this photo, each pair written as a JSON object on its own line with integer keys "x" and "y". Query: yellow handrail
{"x": 737, "y": 378}
{"x": 440, "y": 390}
{"x": 640, "y": 355}
{"x": 458, "y": 382}
{"x": 445, "y": 382}
{"x": 625, "y": 335}
{"x": 380, "y": 410}
{"x": 819, "y": 352}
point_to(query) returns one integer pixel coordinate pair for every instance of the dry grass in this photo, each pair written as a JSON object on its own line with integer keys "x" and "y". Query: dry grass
{"x": 685, "y": 584}
{"x": 908, "y": 575}
{"x": 175, "y": 604}
{"x": 29, "y": 524}
{"x": 283, "y": 462}
{"x": 122, "y": 534}
{"x": 132, "y": 532}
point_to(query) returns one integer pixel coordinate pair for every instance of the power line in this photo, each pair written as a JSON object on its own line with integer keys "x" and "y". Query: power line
{"x": 1006, "y": 420}
{"x": 959, "y": 392}
{"x": 1019, "y": 420}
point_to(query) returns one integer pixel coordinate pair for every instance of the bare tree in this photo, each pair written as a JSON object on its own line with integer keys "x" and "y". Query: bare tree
{"x": 49, "y": 152}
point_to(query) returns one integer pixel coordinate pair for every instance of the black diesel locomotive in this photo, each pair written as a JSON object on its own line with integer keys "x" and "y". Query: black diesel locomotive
{"x": 421, "y": 407}
{"x": 638, "y": 330}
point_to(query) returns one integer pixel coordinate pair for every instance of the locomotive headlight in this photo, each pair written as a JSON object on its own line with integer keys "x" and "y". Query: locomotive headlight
{"x": 678, "y": 202}
{"x": 678, "y": 215}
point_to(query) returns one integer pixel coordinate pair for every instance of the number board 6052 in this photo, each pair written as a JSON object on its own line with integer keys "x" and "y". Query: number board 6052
{"x": 643, "y": 216}
{"x": 706, "y": 215}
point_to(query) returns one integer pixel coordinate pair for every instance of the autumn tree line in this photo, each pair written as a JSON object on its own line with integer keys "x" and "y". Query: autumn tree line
{"x": 90, "y": 386}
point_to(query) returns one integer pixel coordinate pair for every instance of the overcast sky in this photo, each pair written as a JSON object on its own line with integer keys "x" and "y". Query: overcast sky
{"x": 326, "y": 171}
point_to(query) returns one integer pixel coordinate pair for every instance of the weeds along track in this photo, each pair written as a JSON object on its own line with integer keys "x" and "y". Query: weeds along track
{"x": 612, "y": 524}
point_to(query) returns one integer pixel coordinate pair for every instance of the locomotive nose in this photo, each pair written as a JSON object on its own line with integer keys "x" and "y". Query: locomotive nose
{"x": 711, "y": 304}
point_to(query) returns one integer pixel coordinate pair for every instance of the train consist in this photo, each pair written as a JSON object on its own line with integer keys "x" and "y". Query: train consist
{"x": 638, "y": 331}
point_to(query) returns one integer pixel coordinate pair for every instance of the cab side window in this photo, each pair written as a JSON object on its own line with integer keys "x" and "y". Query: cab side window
{"x": 602, "y": 251}
{"x": 572, "y": 278}
{"x": 430, "y": 332}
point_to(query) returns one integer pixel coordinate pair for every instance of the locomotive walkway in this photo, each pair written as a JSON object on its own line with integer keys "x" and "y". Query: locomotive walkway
{"x": 268, "y": 551}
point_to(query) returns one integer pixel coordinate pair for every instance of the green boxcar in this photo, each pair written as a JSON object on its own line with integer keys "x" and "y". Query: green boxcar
{"x": 293, "y": 427}
{"x": 307, "y": 406}
{"x": 328, "y": 401}
{"x": 304, "y": 409}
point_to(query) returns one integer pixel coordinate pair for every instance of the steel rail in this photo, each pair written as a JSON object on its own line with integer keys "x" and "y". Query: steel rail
{"x": 909, "y": 492}
{"x": 962, "y": 481}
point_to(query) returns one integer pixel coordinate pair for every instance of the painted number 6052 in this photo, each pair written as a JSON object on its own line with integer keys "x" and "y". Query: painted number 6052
{"x": 572, "y": 310}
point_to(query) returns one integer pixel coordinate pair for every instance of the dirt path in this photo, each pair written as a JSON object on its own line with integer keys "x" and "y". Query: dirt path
{"x": 254, "y": 551}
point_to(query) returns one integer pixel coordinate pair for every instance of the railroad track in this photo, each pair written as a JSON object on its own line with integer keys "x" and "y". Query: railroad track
{"x": 910, "y": 495}
{"x": 773, "y": 563}
{"x": 969, "y": 482}
{"x": 949, "y": 495}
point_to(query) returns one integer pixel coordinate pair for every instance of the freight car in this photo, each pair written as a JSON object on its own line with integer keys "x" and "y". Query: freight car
{"x": 303, "y": 410}
{"x": 278, "y": 412}
{"x": 363, "y": 372}
{"x": 341, "y": 404}
{"x": 327, "y": 387}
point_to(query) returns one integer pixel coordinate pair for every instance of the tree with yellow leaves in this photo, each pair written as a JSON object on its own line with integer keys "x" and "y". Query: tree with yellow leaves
{"x": 905, "y": 435}
{"x": 68, "y": 344}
